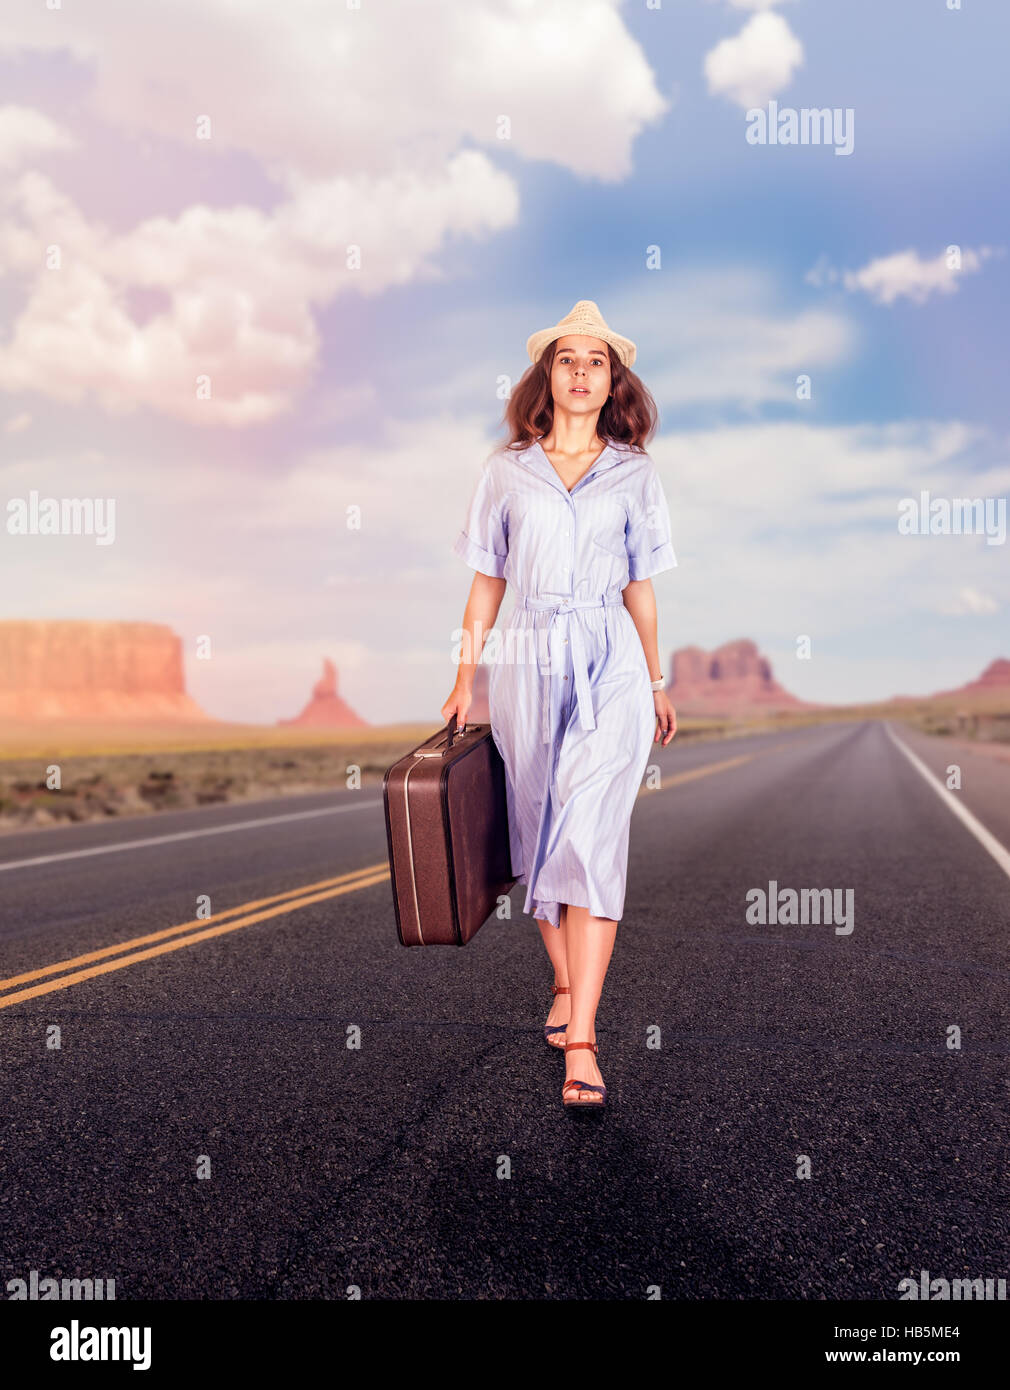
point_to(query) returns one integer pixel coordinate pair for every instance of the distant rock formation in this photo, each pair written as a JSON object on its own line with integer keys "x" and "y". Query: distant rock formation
{"x": 733, "y": 679}
{"x": 56, "y": 669}
{"x": 326, "y": 707}
{"x": 994, "y": 680}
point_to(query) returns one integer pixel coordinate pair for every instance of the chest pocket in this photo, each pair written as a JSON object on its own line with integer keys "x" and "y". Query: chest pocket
{"x": 612, "y": 546}
{"x": 606, "y": 522}
{"x": 609, "y": 531}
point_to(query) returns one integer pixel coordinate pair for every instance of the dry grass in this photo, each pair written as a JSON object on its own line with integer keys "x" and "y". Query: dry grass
{"x": 117, "y": 769}
{"x": 109, "y": 770}
{"x": 98, "y": 738}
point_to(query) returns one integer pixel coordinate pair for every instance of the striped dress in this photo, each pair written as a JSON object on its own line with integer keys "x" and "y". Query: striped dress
{"x": 569, "y": 689}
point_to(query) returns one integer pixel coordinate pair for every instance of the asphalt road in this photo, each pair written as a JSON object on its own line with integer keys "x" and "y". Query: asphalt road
{"x": 382, "y": 1165}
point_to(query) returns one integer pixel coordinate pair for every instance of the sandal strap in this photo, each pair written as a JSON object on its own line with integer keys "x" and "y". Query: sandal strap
{"x": 586, "y": 1086}
{"x": 570, "y": 1047}
{"x": 560, "y": 989}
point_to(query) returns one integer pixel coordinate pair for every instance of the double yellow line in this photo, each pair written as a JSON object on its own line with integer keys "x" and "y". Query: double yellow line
{"x": 188, "y": 934}
{"x": 124, "y": 953}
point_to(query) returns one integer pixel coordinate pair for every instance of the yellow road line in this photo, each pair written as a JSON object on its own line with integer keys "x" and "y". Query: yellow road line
{"x": 119, "y": 964}
{"x": 288, "y": 901}
{"x": 697, "y": 772}
{"x": 188, "y": 926}
{"x": 708, "y": 769}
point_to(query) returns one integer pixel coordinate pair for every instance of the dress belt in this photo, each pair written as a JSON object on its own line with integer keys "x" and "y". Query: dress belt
{"x": 561, "y": 608}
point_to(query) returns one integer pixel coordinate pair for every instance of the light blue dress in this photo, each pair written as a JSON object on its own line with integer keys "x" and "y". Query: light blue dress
{"x": 569, "y": 689}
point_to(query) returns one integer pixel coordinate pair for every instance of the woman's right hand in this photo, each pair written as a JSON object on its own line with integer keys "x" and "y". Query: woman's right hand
{"x": 459, "y": 702}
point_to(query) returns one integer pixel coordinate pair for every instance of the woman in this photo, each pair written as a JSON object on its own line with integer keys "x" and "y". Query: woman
{"x": 571, "y": 512}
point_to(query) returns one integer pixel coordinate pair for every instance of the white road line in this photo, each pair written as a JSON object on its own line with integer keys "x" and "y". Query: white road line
{"x": 983, "y": 836}
{"x": 185, "y": 835}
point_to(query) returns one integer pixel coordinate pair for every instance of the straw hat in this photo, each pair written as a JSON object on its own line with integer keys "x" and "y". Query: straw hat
{"x": 584, "y": 318}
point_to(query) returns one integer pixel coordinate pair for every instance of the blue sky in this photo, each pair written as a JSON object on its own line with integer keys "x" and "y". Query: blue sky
{"x": 378, "y": 389}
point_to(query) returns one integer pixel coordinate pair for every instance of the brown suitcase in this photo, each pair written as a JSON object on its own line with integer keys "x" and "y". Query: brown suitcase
{"x": 447, "y": 830}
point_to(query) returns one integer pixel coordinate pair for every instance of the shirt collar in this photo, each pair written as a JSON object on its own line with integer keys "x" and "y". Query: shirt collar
{"x": 534, "y": 458}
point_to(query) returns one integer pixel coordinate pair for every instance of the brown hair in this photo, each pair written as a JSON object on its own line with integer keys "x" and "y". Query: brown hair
{"x": 628, "y": 416}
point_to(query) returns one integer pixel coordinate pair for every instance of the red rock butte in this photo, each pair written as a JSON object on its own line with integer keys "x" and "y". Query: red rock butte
{"x": 733, "y": 679}
{"x": 994, "y": 680}
{"x": 78, "y": 669}
{"x": 326, "y": 707}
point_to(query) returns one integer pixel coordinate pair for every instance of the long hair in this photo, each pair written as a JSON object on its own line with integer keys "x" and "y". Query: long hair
{"x": 628, "y": 417}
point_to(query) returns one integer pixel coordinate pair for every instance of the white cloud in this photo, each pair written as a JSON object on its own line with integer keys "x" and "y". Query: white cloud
{"x": 752, "y": 4}
{"x": 757, "y": 361}
{"x": 788, "y": 529}
{"x": 26, "y": 133}
{"x": 720, "y": 336}
{"x": 240, "y": 284}
{"x": 265, "y": 564}
{"x": 705, "y": 336}
{"x": 905, "y": 274}
{"x": 387, "y": 165}
{"x": 318, "y": 89}
{"x": 822, "y": 273}
{"x": 756, "y": 63}
{"x": 780, "y": 529}
{"x": 969, "y": 602}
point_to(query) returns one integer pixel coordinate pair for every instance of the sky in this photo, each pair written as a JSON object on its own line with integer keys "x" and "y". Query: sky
{"x": 264, "y": 270}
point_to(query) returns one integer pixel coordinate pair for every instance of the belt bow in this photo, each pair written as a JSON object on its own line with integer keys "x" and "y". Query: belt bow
{"x": 559, "y": 608}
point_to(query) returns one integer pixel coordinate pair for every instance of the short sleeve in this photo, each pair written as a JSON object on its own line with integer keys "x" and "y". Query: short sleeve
{"x": 483, "y": 541}
{"x": 649, "y": 543}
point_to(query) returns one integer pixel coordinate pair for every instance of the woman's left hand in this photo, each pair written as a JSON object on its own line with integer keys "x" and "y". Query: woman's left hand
{"x": 666, "y": 717}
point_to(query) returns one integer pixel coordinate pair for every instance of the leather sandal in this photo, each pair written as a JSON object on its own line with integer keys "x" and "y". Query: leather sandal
{"x": 576, "y": 1104}
{"x": 552, "y": 1028}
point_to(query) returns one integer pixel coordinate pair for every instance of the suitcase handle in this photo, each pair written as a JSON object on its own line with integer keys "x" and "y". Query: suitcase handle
{"x": 441, "y": 747}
